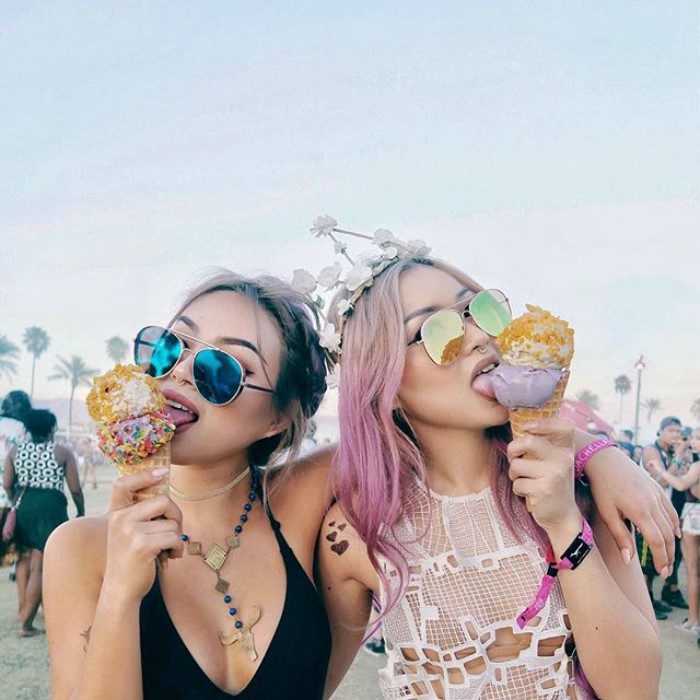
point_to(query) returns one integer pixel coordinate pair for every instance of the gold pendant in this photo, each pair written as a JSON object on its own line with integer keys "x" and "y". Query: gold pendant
{"x": 244, "y": 636}
{"x": 222, "y": 585}
{"x": 216, "y": 557}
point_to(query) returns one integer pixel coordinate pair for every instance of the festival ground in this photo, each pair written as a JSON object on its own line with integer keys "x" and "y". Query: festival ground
{"x": 24, "y": 662}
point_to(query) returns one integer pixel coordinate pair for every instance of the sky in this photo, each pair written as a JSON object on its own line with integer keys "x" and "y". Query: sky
{"x": 548, "y": 150}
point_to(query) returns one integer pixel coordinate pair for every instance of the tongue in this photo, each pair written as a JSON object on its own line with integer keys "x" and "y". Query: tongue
{"x": 179, "y": 417}
{"x": 483, "y": 385}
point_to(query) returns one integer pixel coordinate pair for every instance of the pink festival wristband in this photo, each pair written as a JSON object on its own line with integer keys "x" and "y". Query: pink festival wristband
{"x": 575, "y": 553}
{"x": 587, "y": 452}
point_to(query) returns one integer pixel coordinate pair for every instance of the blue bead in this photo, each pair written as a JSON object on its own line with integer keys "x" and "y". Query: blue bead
{"x": 238, "y": 529}
{"x": 232, "y": 611}
{"x": 227, "y": 599}
{"x": 244, "y": 518}
{"x": 247, "y": 507}
{"x": 252, "y": 496}
{"x": 239, "y": 624}
{"x": 184, "y": 537}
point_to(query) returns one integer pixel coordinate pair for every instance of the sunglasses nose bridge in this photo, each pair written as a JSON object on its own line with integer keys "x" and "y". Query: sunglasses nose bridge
{"x": 183, "y": 370}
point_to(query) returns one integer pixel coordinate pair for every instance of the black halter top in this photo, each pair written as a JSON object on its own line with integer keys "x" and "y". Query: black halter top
{"x": 293, "y": 668}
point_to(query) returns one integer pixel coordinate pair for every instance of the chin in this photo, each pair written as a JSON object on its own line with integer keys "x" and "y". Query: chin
{"x": 498, "y": 415}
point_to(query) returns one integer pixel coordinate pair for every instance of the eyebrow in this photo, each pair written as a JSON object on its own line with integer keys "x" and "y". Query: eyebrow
{"x": 223, "y": 340}
{"x": 429, "y": 309}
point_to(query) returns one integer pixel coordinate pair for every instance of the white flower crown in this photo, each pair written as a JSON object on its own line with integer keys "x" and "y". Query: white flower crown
{"x": 356, "y": 280}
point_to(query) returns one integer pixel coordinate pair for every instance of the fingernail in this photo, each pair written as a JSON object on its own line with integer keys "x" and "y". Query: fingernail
{"x": 626, "y": 555}
{"x": 679, "y": 534}
{"x": 160, "y": 472}
{"x": 664, "y": 572}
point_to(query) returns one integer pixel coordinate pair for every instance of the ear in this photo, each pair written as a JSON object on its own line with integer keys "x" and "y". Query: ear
{"x": 278, "y": 425}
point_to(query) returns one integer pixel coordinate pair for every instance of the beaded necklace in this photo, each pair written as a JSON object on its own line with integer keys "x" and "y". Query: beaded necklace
{"x": 215, "y": 558}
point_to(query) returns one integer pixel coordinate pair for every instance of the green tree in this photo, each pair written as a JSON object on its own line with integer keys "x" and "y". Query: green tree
{"x": 623, "y": 386}
{"x": 37, "y": 342}
{"x": 8, "y": 354}
{"x": 651, "y": 406}
{"x": 117, "y": 348}
{"x": 77, "y": 373}
{"x": 695, "y": 409}
{"x": 589, "y": 398}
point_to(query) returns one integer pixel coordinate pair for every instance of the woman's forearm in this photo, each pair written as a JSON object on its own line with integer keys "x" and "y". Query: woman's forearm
{"x": 112, "y": 665}
{"x": 618, "y": 646}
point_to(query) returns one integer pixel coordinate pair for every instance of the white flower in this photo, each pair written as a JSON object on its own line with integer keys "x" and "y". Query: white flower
{"x": 418, "y": 248}
{"x": 357, "y": 276}
{"x": 329, "y": 338}
{"x": 383, "y": 236}
{"x": 333, "y": 379}
{"x": 329, "y": 276}
{"x": 303, "y": 282}
{"x": 323, "y": 226}
{"x": 343, "y": 307}
{"x": 390, "y": 253}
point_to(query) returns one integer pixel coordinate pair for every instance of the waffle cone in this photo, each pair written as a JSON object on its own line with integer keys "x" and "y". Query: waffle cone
{"x": 159, "y": 460}
{"x": 520, "y": 416}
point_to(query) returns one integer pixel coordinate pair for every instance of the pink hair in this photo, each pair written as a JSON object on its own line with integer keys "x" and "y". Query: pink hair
{"x": 378, "y": 457}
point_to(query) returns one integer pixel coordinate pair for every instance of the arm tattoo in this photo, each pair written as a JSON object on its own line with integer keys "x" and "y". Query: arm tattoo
{"x": 86, "y": 636}
{"x": 338, "y": 547}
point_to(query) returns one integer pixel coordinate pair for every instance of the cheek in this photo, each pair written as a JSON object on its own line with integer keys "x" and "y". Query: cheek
{"x": 239, "y": 424}
{"x": 427, "y": 387}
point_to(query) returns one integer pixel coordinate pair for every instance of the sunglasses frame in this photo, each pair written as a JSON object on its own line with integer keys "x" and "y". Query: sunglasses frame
{"x": 207, "y": 346}
{"x": 463, "y": 317}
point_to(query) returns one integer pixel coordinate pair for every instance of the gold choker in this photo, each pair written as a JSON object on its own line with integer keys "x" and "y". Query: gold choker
{"x": 204, "y": 495}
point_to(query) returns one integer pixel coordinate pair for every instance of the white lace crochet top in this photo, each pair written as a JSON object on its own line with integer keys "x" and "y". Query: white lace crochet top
{"x": 453, "y": 633}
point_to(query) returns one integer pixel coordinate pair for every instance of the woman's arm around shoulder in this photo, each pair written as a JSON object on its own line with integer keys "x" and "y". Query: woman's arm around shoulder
{"x": 347, "y": 580}
{"x": 623, "y": 490}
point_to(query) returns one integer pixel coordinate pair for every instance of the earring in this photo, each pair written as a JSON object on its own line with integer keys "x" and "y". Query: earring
{"x": 483, "y": 349}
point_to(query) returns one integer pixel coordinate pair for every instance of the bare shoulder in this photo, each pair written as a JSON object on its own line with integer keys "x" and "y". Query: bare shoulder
{"x": 303, "y": 488}
{"x": 62, "y": 452}
{"x": 650, "y": 452}
{"x": 80, "y": 540}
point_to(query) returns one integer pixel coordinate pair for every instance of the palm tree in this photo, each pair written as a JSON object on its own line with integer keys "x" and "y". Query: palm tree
{"x": 623, "y": 386}
{"x": 8, "y": 353}
{"x": 37, "y": 341}
{"x": 651, "y": 406}
{"x": 695, "y": 409}
{"x": 590, "y": 399}
{"x": 117, "y": 348}
{"x": 77, "y": 373}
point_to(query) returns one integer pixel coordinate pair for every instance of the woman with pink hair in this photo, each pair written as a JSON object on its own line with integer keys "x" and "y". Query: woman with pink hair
{"x": 448, "y": 521}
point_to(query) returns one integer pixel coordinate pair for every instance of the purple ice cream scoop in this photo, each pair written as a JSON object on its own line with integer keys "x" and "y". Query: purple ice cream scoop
{"x": 522, "y": 386}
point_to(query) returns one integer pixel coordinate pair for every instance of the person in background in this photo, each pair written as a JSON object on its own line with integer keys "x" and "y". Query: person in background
{"x": 87, "y": 458}
{"x": 35, "y": 472}
{"x": 689, "y": 483}
{"x": 657, "y": 457}
{"x": 625, "y": 443}
{"x": 12, "y": 431}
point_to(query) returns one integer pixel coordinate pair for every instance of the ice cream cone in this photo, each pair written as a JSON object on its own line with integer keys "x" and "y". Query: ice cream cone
{"x": 521, "y": 416}
{"x": 159, "y": 460}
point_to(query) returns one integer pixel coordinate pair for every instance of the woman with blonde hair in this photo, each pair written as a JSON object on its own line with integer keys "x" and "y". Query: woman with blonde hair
{"x": 242, "y": 372}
